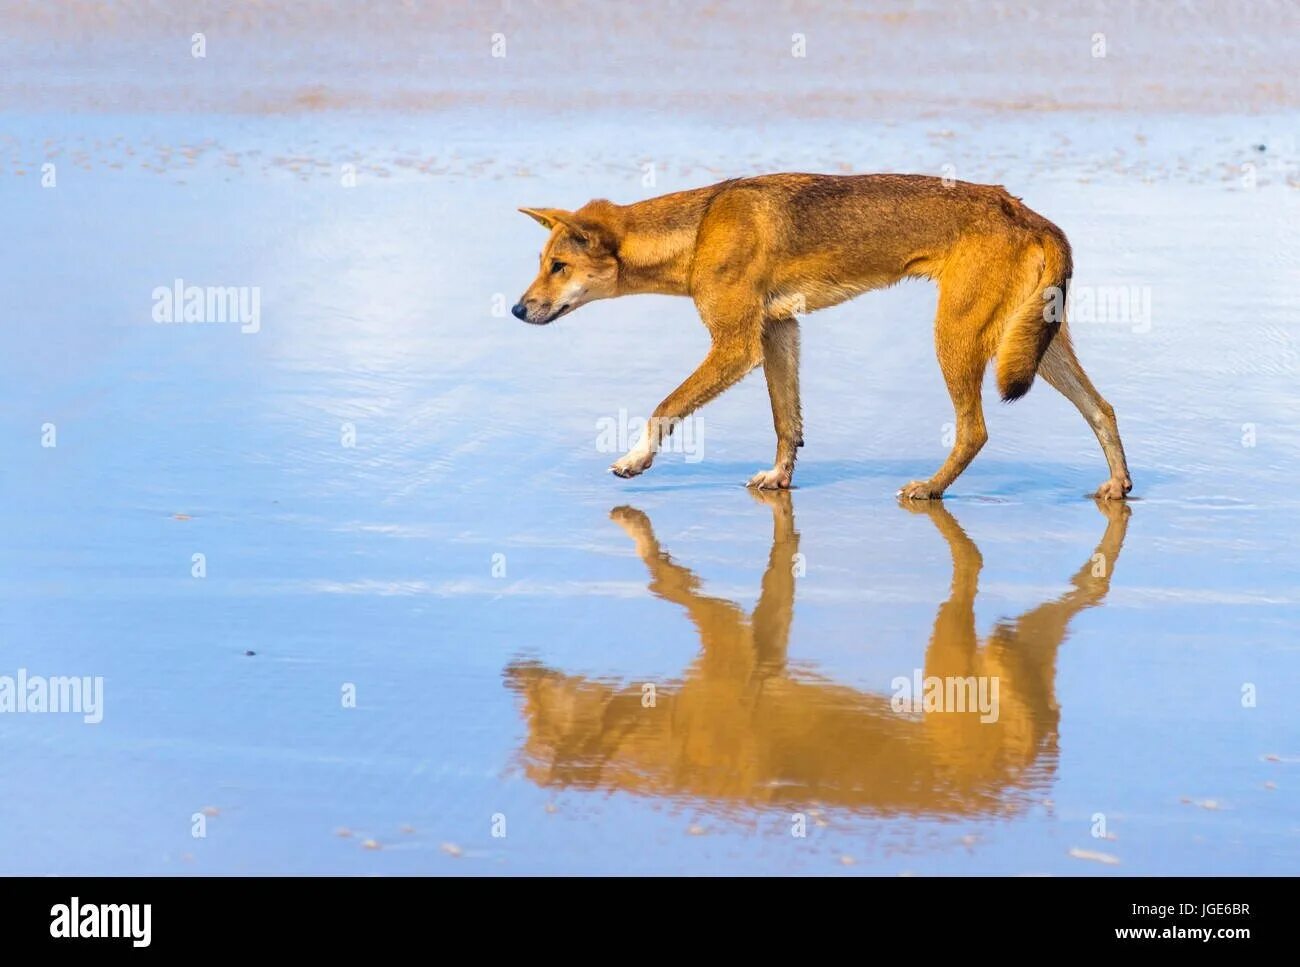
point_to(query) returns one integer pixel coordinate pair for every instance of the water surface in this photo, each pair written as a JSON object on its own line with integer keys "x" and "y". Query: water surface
{"x": 399, "y": 493}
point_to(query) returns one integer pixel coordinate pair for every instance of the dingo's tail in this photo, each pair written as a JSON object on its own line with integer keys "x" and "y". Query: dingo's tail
{"x": 1032, "y": 326}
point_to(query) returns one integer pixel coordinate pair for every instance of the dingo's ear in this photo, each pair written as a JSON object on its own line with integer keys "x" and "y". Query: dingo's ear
{"x": 546, "y": 217}
{"x": 586, "y": 228}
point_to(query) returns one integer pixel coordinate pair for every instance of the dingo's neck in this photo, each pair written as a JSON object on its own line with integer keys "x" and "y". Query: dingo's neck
{"x": 658, "y": 241}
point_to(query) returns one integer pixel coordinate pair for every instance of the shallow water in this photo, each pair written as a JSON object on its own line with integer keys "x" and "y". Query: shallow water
{"x": 399, "y": 493}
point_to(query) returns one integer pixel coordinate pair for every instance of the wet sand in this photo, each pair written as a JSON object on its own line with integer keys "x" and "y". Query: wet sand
{"x": 400, "y": 496}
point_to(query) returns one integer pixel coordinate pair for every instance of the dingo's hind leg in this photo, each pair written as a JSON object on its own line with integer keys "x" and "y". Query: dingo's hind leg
{"x": 1060, "y": 367}
{"x": 964, "y": 336}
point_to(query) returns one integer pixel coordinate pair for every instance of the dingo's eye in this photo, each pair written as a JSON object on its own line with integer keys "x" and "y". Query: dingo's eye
{"x": 557, "y": 266}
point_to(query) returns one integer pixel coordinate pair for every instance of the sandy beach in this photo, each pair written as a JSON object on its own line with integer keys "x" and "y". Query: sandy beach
{"x": 347, "y": 559}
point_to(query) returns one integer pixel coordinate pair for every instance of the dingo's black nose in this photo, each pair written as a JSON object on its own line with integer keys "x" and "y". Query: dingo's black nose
{"x": 519, "y": 311}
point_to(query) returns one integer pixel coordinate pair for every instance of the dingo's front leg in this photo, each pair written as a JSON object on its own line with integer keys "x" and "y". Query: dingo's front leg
{"x": 781, "y": 367}
{"x": 725, "y": 364}
{"x": 725, "y": 284}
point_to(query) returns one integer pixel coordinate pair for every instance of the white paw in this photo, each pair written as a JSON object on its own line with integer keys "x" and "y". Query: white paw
{"x": 778, "y": 478}
{"x": 635, "y": 462}
{"x": 920, "y": 490}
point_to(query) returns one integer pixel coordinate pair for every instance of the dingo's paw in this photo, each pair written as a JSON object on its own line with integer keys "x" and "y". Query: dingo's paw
{"x": 920, "y": 490}
{"x": 778, "y": 478}
{"x": 632, "y": 464}
{"x": 1114, "y": 489}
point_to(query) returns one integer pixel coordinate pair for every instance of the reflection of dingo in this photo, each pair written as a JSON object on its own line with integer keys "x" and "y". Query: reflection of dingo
{"x": 741, "y": 726}
{"x": 754, "y": 253}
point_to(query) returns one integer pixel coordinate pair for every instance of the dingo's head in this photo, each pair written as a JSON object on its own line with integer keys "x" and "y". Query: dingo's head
{"x": 579, "y": 262}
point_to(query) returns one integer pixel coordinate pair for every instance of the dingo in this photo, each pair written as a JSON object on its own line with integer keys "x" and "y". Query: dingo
{"x": 754, "y": 252}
